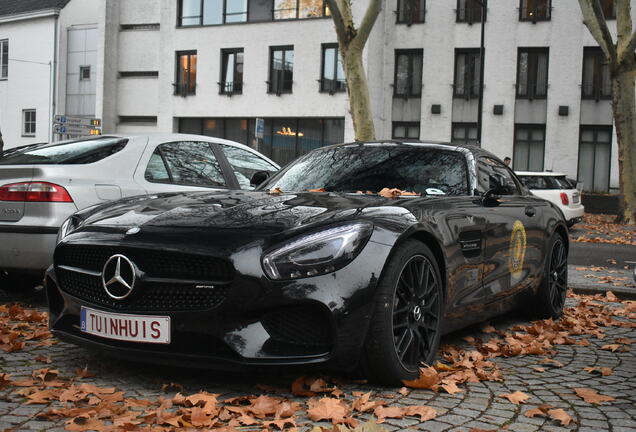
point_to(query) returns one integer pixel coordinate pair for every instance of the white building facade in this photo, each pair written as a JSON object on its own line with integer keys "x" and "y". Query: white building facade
{"x": 43, "y": 46}
{"x": 213, "y": 67}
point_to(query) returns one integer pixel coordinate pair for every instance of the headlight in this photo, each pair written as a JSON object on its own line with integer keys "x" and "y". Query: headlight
{"x": 318, "y": 253}
{"x": 69, "y": 225}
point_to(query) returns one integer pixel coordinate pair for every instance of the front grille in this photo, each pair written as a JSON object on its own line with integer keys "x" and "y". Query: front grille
{"x": 155, "y": 263}
{"x": 306, "y": 325}
{"x": 178, "y": 293}
{"x": 158, "y": 297}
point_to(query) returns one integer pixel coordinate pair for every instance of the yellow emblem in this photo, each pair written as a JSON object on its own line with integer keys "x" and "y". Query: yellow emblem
{"x": 517, "y": 251}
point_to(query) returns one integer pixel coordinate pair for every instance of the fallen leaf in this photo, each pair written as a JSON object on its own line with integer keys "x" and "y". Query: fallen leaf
{"x": 516, "y": 397}
{"x": 327, "y": 408}
{"x": 592, "y": 396}
{"x": 560, "y": 415}
{"x": 427, "y": 379}
{"x": 424, "y": 412}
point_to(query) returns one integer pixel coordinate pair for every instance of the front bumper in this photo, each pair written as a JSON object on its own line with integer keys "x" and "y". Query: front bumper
{"x": 259, "y": 322}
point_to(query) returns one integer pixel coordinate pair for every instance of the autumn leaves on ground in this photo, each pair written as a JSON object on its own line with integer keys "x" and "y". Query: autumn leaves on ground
{"x": 84, "y": 406}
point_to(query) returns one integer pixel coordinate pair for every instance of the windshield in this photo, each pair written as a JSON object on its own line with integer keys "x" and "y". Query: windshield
{"x": 546, "y": 182}
{"x": 371, "y": 168}
{"x": 68, "y": 152}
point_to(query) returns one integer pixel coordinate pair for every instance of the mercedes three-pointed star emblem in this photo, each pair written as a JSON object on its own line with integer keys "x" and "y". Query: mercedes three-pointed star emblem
{"x": 119, "y": 276}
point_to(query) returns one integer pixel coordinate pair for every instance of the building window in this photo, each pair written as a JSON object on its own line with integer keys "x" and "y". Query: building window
{"x": 594, "y": 158}
{"x": 85, "y": 73}
{"x": 408, "y": 73}
{"x": 281, "y": 70}
{"x": 332, "y": 79}
{"x": 211, "y": 12}
{"x": 469, "y": 11}
{"x": 609, "y": 9}
{"x": 284, "y": 139}
{"x": 532, "y": 73}
{"x": 406, "y": 130}
{"x": 597, "y": 83}
{"x": 411, "y": 11}
{"x": 466, "y": 85}
{"x": 464, "y": 133}
{"x": 529, "y": 147}
{"x": 232, "y": 71}
{"x": 4, "y": 59}
{"x": 535, "y": 10}
{"x": 28, "y": 122}
{"x": 299, "y": 9}
{"x": 186, "y": 82}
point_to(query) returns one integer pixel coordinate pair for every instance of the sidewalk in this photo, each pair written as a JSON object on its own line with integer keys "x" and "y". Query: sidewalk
{"x": 593, "y": 280}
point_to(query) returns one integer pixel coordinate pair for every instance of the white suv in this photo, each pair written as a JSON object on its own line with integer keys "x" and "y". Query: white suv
{"x": 555, "y": 187}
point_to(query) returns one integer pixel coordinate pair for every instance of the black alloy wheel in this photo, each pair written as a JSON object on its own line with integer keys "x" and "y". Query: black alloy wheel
{"x": 550, "y": 298}
{"x": 416, "y": 312}
{"x": 405, "y": 328}
{"x": 558, "y": 275}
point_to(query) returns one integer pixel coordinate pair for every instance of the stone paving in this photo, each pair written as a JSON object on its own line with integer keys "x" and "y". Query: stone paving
{"x": 478, "y": 406}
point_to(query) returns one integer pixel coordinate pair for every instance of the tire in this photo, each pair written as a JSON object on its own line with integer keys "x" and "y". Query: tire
{"x": 405, "y": 329}
{"x": 550, "y": 298}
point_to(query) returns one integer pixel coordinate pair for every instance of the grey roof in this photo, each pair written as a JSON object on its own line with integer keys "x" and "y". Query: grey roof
{"x": 11, "y": 7}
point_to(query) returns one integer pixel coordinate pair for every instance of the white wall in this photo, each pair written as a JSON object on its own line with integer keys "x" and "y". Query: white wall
{"x": 28, "y": 84}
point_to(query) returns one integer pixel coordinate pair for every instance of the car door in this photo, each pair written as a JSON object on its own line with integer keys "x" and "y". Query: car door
{"x": 511, "y": 248}
{"x": 183, "y": 166}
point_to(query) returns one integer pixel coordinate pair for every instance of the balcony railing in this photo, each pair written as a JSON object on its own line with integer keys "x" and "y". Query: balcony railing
{"x": 181, "y": 89}
{"x": 231, "y": 88}
{"x": 332, "y": 86}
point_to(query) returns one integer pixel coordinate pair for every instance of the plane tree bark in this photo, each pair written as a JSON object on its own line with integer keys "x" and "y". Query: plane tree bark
{"x": 622, "y": 66}
{"x": 351, "y": 41}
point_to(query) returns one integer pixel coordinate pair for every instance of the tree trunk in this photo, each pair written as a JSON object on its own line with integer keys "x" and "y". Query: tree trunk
{"x": 358, "y": 90}
{"x": 624, "y": 107}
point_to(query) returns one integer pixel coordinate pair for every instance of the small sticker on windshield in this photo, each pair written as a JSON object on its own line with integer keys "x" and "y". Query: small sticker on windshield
{"x": 434, "y": 191}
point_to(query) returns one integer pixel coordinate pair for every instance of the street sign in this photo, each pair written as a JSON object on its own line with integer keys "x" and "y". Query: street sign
{"x": 78, "y": 121}
{"x": 259, "y": 130}
{"x": 75, "y": 130}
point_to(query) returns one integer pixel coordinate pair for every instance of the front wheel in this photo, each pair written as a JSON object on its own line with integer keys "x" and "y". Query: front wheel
{"x": 406, "y": 325}
{"x": 554, "y": 284}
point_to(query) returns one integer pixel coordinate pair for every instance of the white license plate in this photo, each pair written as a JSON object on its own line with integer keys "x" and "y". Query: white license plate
{"x": 133, "y": 328}
{"x": 575, "y": 198}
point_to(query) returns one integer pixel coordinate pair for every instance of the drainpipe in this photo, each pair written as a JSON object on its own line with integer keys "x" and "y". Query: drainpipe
{"x": 53, "y": 75}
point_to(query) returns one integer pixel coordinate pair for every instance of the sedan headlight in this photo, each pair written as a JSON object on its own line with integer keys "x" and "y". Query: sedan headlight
{"x": 69, "y": 225}
{"x": 317, "y": 253}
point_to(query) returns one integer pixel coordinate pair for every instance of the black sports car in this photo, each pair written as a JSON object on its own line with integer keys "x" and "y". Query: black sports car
{"x": 314, "y": 266}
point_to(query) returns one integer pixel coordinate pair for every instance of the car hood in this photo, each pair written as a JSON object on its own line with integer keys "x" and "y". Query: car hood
{"x": 245, "y": 211}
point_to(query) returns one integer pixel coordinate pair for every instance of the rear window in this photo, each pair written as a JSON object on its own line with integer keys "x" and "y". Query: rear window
{"x": 68, "y": 152}
{"x": 546, "y": 182}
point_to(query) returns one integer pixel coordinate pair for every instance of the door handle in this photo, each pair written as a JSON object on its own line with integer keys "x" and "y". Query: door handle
{"x": 531, "y": 211}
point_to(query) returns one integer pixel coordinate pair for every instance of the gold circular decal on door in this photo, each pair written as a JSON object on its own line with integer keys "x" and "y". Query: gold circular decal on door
{"x": 517, "y": 251}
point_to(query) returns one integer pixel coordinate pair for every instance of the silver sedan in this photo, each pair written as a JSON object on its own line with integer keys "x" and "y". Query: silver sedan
{"x": 42, "y": 185}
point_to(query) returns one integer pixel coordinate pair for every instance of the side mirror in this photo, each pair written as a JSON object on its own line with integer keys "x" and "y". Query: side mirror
{"x": 259, "y": 177}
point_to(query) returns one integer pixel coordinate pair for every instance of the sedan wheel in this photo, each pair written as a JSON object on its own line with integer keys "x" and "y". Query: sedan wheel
{"x": 405, "y": 328}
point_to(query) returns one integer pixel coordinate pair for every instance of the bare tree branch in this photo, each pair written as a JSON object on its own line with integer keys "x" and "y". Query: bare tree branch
{"x": 594, "y": 20}
{"x": 626, "y": 47}
{"x": 626, "y": 38}
{"x": 371, "y": 15}
{"x": 338, "y": 20}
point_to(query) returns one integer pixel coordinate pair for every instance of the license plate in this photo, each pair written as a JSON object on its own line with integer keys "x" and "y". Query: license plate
{"x": 575, "y": 198}
{"x": 132, "y": 328}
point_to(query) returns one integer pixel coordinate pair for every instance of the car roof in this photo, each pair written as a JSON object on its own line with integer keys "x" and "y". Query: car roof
{"x": 155, "y": 137}
{"x": 540, "y": 173}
